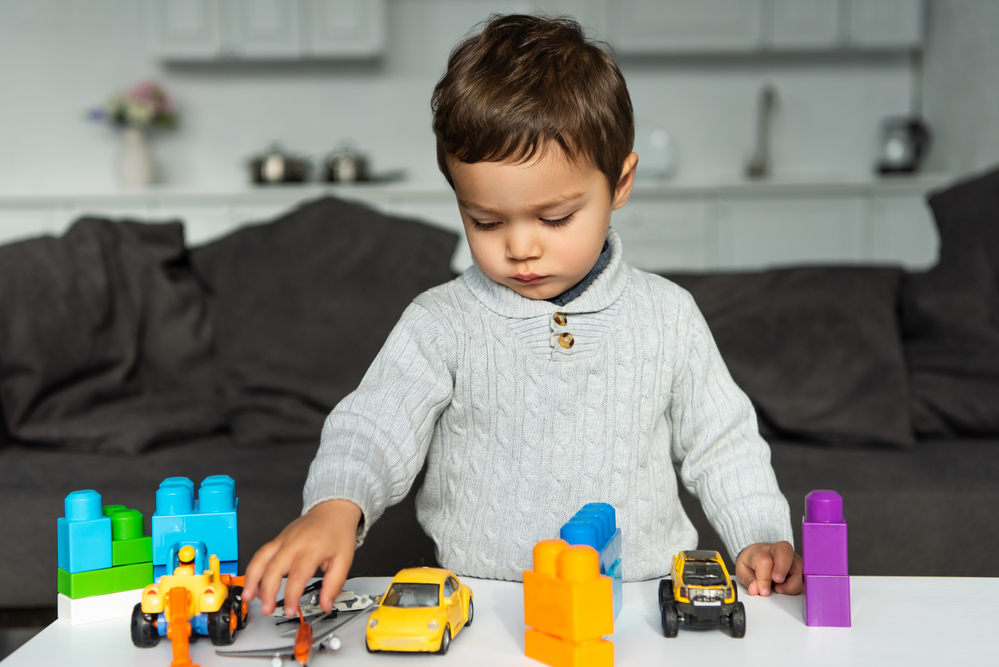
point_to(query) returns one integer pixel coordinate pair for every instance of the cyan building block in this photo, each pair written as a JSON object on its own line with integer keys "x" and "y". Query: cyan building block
{"x": 595, "y": 524}
{"x": 211, "y": 518}
{"x": 84, "y": 534}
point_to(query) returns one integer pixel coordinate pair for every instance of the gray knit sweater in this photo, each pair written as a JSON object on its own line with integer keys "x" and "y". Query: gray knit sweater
{"x": 519, "y": 431}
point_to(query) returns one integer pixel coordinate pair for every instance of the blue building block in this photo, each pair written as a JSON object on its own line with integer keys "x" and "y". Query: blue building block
{"x": 84, "y": 534}
{"x": 595, "y": 524}
{"x": 211, "y": 518}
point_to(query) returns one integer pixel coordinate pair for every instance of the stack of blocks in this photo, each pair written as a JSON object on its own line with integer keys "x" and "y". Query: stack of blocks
{"x": 596, "y": 525}
{"x": 826, "y": 572}
{"x": 105, "y": 559}
{"x": 182, "y": 520}
{"x": 568, "y": 607}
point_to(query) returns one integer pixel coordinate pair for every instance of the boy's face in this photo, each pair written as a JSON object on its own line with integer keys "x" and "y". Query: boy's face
{"x": 537, "y": 227}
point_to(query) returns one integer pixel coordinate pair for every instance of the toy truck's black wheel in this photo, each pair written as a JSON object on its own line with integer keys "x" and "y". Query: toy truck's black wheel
{"x": 236, "y": 597}
{"x": 471, "y": 613}
{"x": 665, "y": 591}
{"x": 737, "y": 621}
{"x": 671, "y": 620}
{"x": 220, "y": 628}
{"x": 144, "y": 633}
{"x": 445, "y": 641}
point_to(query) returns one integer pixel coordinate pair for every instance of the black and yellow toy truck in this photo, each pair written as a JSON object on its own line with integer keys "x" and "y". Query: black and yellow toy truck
{"x": 700, "y": 594}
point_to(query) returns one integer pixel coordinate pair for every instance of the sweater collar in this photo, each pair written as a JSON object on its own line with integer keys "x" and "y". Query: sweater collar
{"x": 601, "y": 293}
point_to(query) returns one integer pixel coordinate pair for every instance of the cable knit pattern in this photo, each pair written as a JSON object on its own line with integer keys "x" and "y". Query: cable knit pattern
{"x": 519, "y": 431}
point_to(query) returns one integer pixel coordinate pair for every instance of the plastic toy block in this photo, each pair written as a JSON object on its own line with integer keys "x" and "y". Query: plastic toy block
{"x": 827, "y": 601}
{"x": 595, "y": 524}
{"x": 568, "y": 606}
{"x": 210, "y": 519}
{"x": 78, "y": 585}
{"x": 825, "y": 567}
{"x": 128, "y": 543}
{"x": 97, "y": 608}
{"x": 84, "y": 534}
{"x": 559, "y": 653}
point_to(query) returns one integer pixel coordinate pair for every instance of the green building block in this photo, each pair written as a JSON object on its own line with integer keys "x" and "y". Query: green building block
{"x": 101, "y": 582}
{"x": 129, "y": 552}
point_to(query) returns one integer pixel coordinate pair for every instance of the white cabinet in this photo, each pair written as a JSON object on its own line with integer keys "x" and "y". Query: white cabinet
{"x": 904, "y": 232}
{"x": 758, "y": 233}
{"x": 667, "y": 234}
{"x": 803, "y": 24}
{"x": 265, "y": 29}
{"x": 886, "y": 24}
{"x": 335, "y": 28}
{"x": 684, "y": 26}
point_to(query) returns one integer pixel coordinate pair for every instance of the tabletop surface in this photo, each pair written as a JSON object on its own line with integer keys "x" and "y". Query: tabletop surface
{"x": 896, "y": 620}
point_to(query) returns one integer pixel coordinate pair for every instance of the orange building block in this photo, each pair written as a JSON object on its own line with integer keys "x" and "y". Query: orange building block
{"x": 568, "y": 606}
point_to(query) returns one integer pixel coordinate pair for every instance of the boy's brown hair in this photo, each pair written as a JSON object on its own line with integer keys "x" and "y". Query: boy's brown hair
{"x": 525, "y": 81}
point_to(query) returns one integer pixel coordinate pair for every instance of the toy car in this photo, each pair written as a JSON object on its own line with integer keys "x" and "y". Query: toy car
{"x": 186, "y": 603}
{"x": 422, "y": 610}
{"x": 700, "y": 594}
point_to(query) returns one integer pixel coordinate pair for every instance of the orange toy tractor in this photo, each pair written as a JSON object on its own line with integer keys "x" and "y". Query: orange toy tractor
{"x": 183, "y": 603}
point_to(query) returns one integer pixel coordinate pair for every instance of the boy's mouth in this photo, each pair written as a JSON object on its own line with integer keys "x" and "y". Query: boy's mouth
{"x": 528, "y": 278}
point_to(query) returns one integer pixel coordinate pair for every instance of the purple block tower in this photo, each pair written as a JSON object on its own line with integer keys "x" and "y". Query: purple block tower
{"x": 826, "y": 571}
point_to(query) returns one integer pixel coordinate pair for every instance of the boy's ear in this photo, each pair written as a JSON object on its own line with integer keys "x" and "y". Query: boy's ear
{"x": 624, "y": 184}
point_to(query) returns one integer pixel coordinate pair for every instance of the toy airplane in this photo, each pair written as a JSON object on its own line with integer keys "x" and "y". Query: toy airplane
{"x": 309, "y": 603}
{"x": 305, "y": 641}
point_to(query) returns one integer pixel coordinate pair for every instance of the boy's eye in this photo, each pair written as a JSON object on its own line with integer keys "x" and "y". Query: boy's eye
{"x": 483, "y": 226}
{"x": 561, "y": 222}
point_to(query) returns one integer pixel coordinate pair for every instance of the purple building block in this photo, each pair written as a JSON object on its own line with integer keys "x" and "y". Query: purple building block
{"x": 826, "y": 569}
{"x": 827, "y": 601}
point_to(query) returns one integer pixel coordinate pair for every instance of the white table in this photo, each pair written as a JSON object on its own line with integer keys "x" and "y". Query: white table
{"x": 896, "y": 621}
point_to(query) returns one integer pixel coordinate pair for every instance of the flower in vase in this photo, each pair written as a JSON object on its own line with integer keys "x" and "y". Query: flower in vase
{"x": 145, "y": 105}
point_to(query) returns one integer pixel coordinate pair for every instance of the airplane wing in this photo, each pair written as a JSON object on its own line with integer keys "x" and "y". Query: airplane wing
{"x": 325, "y": 639}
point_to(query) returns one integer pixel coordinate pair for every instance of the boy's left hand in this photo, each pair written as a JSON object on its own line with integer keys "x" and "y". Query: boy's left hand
{"x": 760, "y": 564}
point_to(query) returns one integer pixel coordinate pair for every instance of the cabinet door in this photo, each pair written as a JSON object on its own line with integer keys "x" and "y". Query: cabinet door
{"x": 905, "y": 233}
{"x": 685, "y": 26}
{"x": 343, "y": 28}
{"x": 886, "y": 24}
{"x": 183, "y": 29}
{"x": 666, "y": 235}
{"x": 761, "y": 233}
{"x": 264, "y": 28}
{"x": 591, "y": 14}
{"x": 803, "y": 24}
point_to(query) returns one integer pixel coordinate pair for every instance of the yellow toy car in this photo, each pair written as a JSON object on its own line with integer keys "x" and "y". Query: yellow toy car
{"x": 700, "y": 594}
{"x": 423, "y": 608}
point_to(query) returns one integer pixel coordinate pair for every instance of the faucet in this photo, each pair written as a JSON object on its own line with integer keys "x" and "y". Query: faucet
{"x": 759, "y": 166}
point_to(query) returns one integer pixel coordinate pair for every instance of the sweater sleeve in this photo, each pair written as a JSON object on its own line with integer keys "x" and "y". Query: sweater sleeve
{"x": 374, "y": 441}
{"x": 722, "y": 459}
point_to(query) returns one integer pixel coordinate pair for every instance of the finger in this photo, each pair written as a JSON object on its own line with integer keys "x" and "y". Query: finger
{"x": 783, "y": 556}
{"x": 743, "y": 572}
{"x": 333, "y": 580}
{"x": 270, "y": 582}
{"x": 298, "y": 578}
{"x": 256, "y": 568}
{"x": 763, "y": 565}
{"x": 793, "y": 583}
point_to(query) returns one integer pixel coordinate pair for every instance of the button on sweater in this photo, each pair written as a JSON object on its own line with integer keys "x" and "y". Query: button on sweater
{"x": 519, "y": 429}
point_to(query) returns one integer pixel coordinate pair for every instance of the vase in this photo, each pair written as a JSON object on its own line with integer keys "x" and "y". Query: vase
{"x": 135, "y": 162}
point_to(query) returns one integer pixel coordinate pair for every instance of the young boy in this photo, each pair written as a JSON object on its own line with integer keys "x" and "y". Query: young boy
{"x": 550, "y": 374}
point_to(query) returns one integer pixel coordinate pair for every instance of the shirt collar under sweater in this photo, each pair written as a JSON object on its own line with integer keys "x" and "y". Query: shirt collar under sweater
{"x": 604, "y": 291}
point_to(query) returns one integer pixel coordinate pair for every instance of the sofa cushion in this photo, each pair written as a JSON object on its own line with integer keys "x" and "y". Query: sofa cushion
{"x": 951, "y": 316}
{"x": 818, "y": 349}
{"x": 303, "y": 304}
{"x": 105, "y": 340}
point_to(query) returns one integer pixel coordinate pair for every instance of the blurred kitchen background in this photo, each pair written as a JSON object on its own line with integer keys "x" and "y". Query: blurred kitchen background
{"x": 762, "y": 123}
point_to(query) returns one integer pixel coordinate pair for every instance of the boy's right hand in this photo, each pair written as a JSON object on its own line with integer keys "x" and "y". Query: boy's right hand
{"x": 323, "y": 538}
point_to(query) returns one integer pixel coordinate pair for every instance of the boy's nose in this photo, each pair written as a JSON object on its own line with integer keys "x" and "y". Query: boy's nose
{"x": 521, "y": 245}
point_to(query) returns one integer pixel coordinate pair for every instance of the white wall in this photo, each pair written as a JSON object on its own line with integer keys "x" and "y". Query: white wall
{"x": 59, "y": 57}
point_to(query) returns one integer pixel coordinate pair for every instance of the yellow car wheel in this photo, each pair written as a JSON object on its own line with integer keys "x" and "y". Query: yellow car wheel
{"x": 471, "y": 613}
{"x": 445, "y": 641}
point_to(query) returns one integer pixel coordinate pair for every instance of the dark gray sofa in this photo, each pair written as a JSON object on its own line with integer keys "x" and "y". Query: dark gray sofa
{"x": 855, "y": 373}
